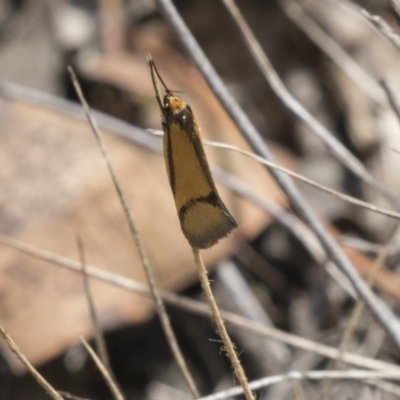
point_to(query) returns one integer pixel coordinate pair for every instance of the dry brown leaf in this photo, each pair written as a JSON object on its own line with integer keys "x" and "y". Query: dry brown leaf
{"x": 55, "y": 185}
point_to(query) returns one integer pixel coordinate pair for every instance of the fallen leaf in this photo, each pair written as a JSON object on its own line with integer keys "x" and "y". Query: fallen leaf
{"x": 55, "y": 186}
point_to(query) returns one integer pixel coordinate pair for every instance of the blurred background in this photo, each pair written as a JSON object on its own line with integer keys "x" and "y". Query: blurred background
{"x": 54, "y": 187}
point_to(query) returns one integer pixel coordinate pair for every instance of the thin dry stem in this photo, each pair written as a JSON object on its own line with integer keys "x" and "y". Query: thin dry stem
{"x": 104, "y": 371}
{"x": 69, "y": 396}
{"x": 383, "y": 27}
{"x": 396, "y": 6}
{"x": 39, "y": 378}
{"x": 200, "y": 308}
{"x": 308, "y": 375}
{"x": 391, "y": 98}
{"x": 302, "y": 178}
{"x": 228, "y": 345}
{"x": 99, "y": 338}
{"x": 160, "y": 307}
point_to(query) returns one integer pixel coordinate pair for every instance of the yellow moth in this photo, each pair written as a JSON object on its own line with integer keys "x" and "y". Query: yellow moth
{"x": 203, "y": 216}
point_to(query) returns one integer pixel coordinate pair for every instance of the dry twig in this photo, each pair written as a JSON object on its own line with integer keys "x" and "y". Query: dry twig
{"x": 383, "y": 27}
{"x": 99, "y": 338}
{"x": 39, "y": 378}
{"x": 309, "y": 375}
{"x": 396, "y": 6}
{"x": 228, "y": 345}
{"x": 302, "y": 178}
{"x": 104, "y": 371}
{"x": 69, "y": 396}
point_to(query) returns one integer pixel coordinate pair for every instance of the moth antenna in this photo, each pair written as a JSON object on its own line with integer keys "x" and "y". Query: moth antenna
{"x": 159, "y": 77}
{"x": 154, "y": 75}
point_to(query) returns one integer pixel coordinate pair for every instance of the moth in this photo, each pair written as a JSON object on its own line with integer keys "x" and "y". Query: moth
{"x": 203, "y": 216}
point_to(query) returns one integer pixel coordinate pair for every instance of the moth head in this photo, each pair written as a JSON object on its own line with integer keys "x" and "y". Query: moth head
{"x": 173, "y": 104}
